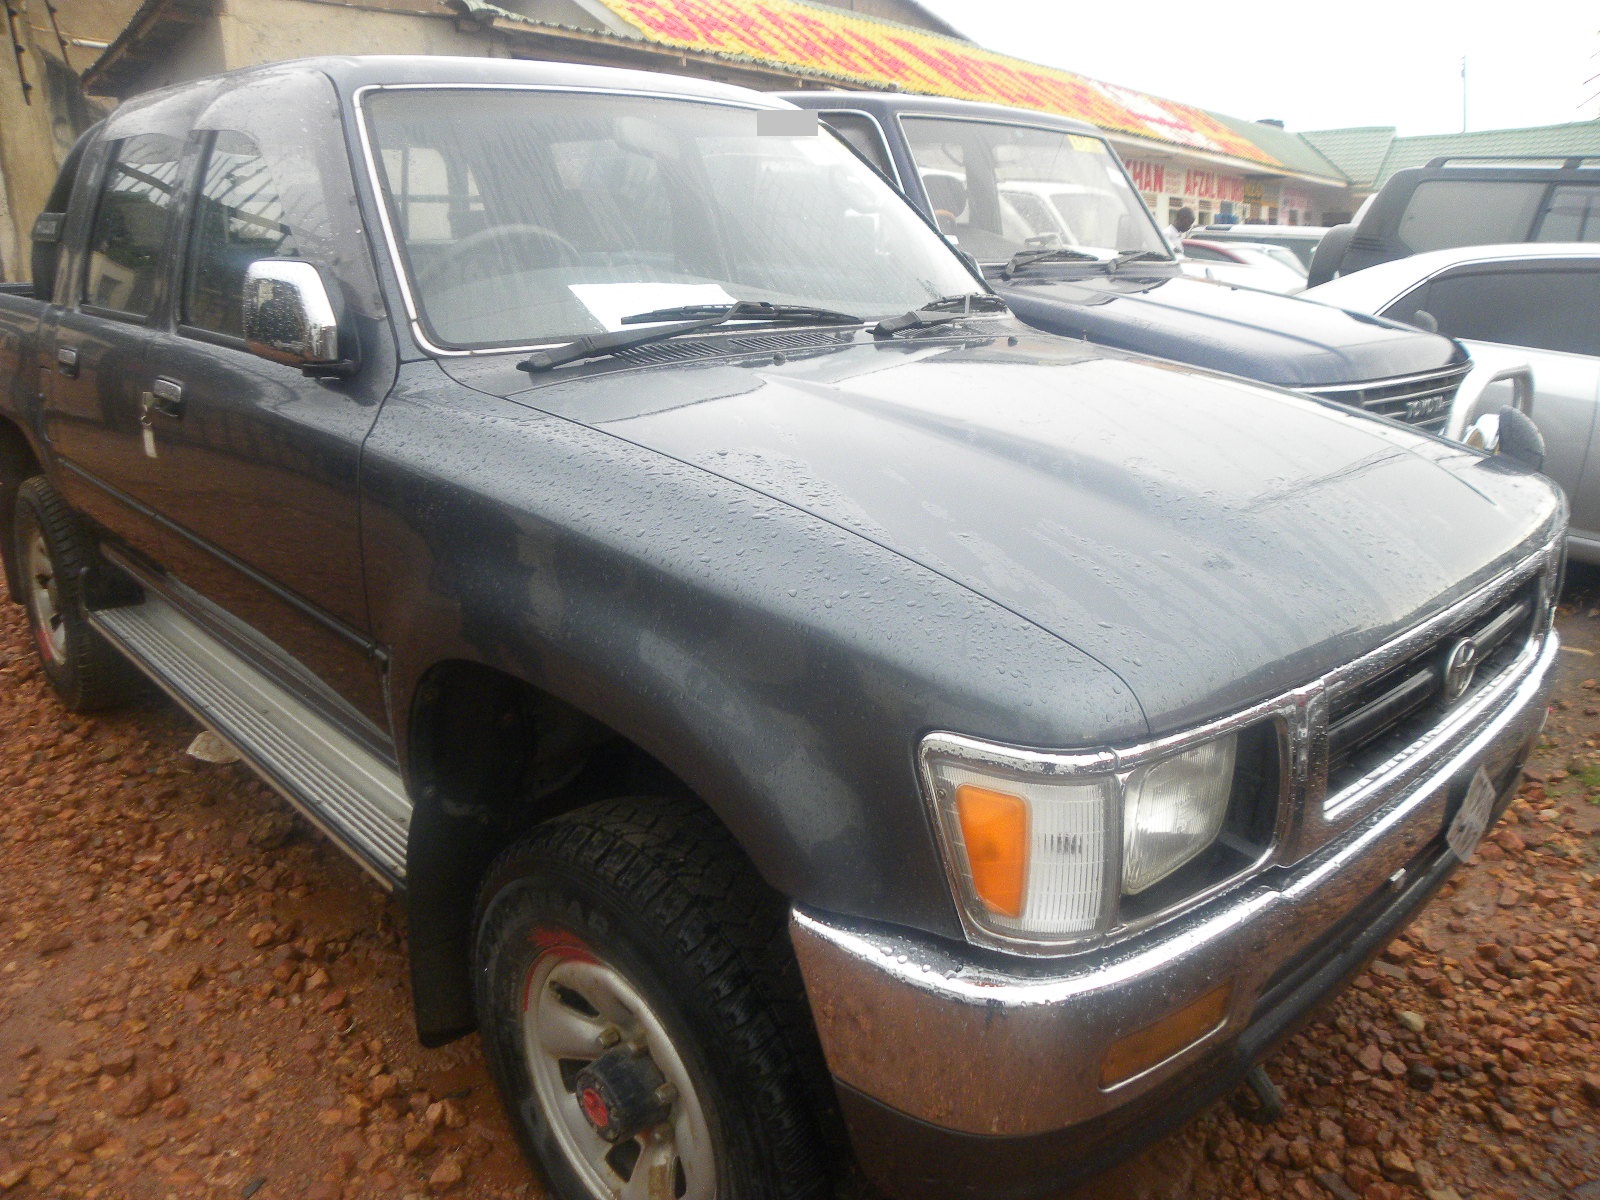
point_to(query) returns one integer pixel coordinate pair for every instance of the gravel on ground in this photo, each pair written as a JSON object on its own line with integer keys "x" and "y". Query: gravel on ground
{"x": 201, "y": 997}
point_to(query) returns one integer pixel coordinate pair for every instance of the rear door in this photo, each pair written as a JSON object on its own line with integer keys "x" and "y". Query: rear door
{"x": 100, "y": 336}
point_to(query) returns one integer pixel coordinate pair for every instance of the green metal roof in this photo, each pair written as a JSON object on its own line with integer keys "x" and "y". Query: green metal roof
{"x": 1291, "y": 149}
{"x": 1369, "y": 156}
{"x": 1358, "y": 153}
{"x": 1553, "y": 141}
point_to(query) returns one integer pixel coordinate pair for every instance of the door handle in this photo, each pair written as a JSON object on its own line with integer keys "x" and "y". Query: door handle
{"x": 67, "y": 361}
{"x": 165, "y": 397}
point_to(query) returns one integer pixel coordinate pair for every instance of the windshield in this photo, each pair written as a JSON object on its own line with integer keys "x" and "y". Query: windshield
{"x": 999, "y": 189}
{"x": 531, "y": 217}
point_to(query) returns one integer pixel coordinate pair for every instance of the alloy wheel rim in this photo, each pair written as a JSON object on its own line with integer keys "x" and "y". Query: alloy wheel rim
{"x": 49, "y": 627}
{"x": 576, "y": 1008}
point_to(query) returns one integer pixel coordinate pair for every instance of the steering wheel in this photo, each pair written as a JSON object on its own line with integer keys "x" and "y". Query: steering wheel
{"x": 500, "y": 248}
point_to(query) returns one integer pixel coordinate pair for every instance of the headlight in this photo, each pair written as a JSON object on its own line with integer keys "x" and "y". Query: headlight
{"x": 1173, "y": 810}
{"x": 1042, "y": 847}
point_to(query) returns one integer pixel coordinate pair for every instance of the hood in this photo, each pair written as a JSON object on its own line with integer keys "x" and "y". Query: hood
{"x": 1259, "y": 335}
{"x": 1210, "y": 541}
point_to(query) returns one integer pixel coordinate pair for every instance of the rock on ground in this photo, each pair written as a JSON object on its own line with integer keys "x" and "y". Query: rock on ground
{"x": 200, "y": 997}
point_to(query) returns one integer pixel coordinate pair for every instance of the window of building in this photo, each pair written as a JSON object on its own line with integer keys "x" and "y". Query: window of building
{"x": 130, "y": 224}
{"x": 238, "y": 220}
{"x": 437, "y": 199}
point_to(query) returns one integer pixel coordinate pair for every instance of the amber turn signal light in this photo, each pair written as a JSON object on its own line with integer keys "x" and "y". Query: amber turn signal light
{"x": 994, "y": 826}
{"x": 1156, "y": 1043}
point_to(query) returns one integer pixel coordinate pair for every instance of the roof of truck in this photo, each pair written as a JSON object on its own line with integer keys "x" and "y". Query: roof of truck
{"x": 887, "y": 103}
{"x": 350, "y": 73}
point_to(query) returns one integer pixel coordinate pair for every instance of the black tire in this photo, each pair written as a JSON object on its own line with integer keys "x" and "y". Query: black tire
{"x": 52, "y": 553}
{"x": 654, "y": 893}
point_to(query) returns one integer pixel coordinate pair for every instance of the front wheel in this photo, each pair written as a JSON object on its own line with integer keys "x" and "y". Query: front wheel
{"x": 640, "y": 1011}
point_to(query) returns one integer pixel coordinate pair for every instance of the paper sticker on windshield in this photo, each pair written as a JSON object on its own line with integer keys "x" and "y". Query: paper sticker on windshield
{"x": 1086, "y": 145}
{"x": 783, "y": 122}
{"x": 610, "y": 302}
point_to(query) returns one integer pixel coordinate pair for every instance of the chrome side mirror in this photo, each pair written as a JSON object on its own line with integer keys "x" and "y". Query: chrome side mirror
{"x": 290, "y": 318}
{"x": 1484, "y": 433}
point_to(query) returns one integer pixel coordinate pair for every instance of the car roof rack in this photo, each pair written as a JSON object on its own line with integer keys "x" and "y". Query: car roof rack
{"x": 1568, "y": 162}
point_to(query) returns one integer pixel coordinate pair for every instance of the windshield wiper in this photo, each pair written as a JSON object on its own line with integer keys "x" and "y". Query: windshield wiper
{"x": 1131, "y": 256}
{"x": 940, "y": 312}
{"x": 1026, "y": 258}
{"x": 748, "y": 310}
{"x": 699, "y": 316}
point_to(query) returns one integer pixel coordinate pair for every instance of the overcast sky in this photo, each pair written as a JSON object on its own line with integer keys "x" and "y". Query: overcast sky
{"x": 1377, "y": 62}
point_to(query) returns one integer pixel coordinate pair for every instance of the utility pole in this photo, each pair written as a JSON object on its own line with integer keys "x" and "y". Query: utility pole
{"x": 1463, "y": 93}
{"x": 1591, "y": 81}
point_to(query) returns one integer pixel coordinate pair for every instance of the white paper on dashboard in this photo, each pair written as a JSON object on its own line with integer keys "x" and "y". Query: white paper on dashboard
{"x": 610, "y": 302}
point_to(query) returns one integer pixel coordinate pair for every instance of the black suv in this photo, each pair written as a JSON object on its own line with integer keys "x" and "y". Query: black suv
{"x": 1467, "y": 202}
{"x": 1042, "y": 204}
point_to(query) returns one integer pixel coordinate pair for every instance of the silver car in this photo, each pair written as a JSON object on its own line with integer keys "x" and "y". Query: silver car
{"x": 1541, "y": 299}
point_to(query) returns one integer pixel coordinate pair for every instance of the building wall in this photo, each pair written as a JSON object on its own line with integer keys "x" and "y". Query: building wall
{"x": 199, "y": 54}
{"x": 38, "y": 129}
{"x": 261, "y": 31}
{"x": 1216, "y": 194}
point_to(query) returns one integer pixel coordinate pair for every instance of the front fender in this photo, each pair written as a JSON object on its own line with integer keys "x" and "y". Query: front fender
{"x": 782, "y": 667}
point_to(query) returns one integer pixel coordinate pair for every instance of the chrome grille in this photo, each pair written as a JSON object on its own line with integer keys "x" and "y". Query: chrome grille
{"x": 1370, "y": 722}
{"x": 1422, "y": 401}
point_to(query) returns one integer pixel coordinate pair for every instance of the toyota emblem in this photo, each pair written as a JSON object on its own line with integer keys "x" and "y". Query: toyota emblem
{"x": 1459, "y": 666}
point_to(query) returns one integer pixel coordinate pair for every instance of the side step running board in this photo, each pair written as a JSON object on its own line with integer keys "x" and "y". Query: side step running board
{"x": 343, "y": 788}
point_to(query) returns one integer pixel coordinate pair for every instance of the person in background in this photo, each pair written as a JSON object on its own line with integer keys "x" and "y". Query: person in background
{"x": 1178, "y": 229}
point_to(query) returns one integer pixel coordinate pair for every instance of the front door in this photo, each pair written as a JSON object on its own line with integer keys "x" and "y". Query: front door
{"x": 254, "y": 463}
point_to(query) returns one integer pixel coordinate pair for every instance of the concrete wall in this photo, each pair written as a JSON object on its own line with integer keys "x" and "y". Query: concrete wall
{"x": 36, "y": 132}
{"x": 262, "y": 31}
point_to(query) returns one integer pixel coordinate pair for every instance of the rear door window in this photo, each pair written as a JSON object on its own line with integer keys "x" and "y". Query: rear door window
{"x": 130, "y": 224}
{"x": 1447, "y": 212}
{"x": 1546, "y": 307}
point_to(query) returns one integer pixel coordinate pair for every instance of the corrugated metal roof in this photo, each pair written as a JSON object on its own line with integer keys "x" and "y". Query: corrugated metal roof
{"x": 153, "y": 31}
{"x": 824, "y": 42}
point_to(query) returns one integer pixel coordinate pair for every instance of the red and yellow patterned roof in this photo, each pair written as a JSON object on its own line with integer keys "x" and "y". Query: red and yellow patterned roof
{"x": 860, "y": 50}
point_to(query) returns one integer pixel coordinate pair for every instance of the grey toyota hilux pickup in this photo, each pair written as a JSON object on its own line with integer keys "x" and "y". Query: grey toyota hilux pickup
{"x": 798, "y": 704}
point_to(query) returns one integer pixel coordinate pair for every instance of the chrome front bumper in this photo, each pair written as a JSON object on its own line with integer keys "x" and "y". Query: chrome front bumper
{"x": 982, "y": 1045}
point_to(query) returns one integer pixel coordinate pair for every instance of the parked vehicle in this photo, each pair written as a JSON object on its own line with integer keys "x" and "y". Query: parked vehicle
{"x": 1466, "y": 202}
{"x": 1245, "y": 264}
{"x": 1045, "y": 207}
{"x": 790, "y": 693}
{"x": 1543, "y": 300}
{"x": 1299, "y": 240}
